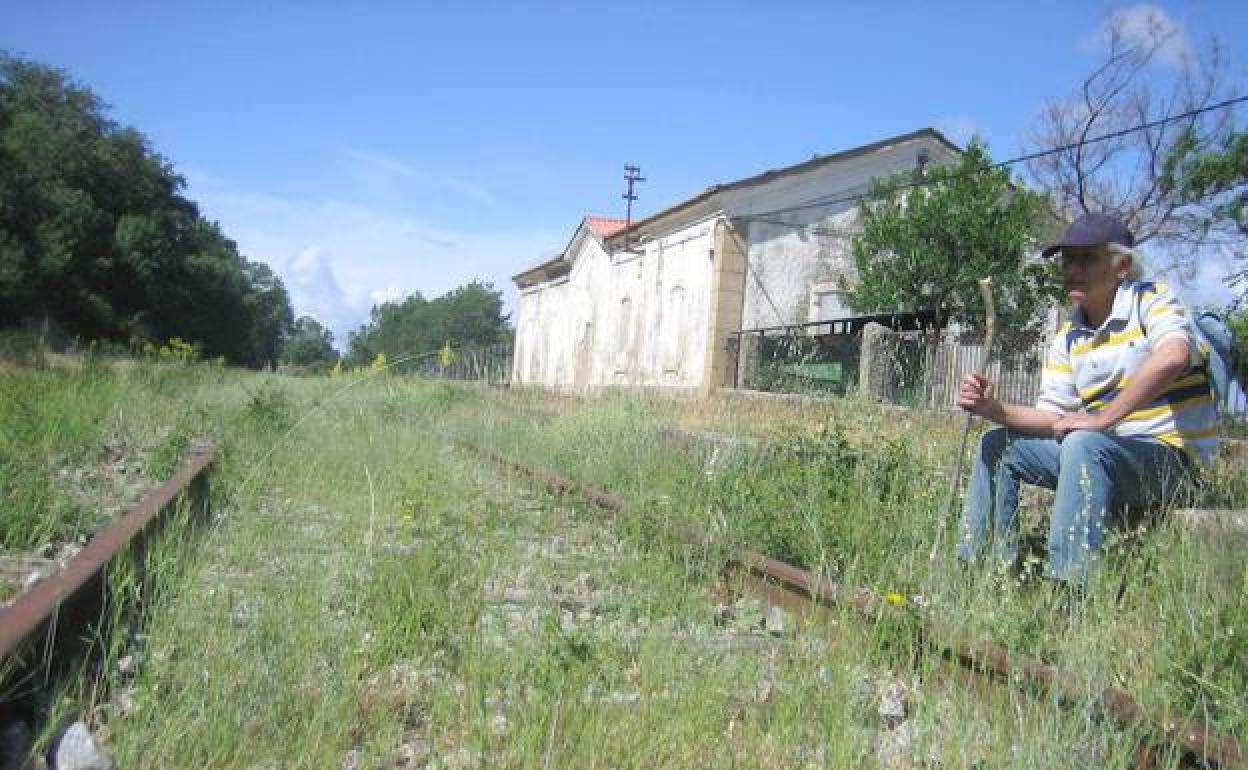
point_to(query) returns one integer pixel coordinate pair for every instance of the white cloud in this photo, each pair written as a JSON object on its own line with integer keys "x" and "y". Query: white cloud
{"x": 1147, "y": 24}
{"x": 390, "y": 293}
{"x": 1211, "y": 282}
{"x": 316, "y": 291}
{"x": 1206, "y": 279}
{"x": 338, "y": 258}
{"x": 377, "y": 172}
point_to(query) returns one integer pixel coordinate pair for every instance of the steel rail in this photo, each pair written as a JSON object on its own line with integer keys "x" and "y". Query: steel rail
{"x": 1193, "y": 739}
{"x": 36, "y": 608}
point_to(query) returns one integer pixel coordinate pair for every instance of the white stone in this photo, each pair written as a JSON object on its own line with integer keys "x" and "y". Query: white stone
{"x": 776, "y": 621}
{"x": 621, "y": 699}
{"x": 412, "y": 751}
{"x": 352, "y": 760}
{"x": 894, "y": 748}
{"x": 893, "y": 702}
{"x": 77, "y": 750}
{"x": 462, "y": 759}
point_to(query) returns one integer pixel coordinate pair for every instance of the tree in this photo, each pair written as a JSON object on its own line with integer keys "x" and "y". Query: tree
{"x": 309, "y": 344}
{"x": 470, "y": 316}
{"x": 1150, "y": 76}
{"x": 96, "y": 236}
{"x": 1214, "y": 185}
{"x": 924, "y": 247}
{"x": 269, "y": 315}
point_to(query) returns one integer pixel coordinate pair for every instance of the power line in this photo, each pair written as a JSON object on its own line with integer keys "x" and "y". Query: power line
{"x": 856, "y": 197}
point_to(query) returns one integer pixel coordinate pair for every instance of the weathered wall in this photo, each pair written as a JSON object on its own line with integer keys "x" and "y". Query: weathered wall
{"x": 789, "y": 253}
{"x": 628, "y": 319}
{"x": 726, "y": 302}
{"x": 661, "y": 312}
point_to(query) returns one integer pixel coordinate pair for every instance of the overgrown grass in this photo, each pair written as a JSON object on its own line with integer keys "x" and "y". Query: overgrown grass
{"x": 853, "y": 491}
{"x": 351, "y": 601}
{"x": 47, "y": 419}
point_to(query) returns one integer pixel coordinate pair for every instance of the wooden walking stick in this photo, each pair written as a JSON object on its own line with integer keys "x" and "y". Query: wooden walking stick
{"x": 985, "y": 356}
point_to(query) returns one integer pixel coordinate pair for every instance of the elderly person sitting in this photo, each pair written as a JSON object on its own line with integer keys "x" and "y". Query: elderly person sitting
{"x": 1125, "y": 413}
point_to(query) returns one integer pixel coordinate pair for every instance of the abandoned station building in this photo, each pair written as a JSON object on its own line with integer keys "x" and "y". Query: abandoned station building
{"x": 659, "y": 303}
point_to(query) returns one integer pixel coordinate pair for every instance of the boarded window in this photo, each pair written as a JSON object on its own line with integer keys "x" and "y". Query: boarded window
{"x": 829, "y": 305}
{"x": 675, "y": 336}
{"x": 623, "y": 335}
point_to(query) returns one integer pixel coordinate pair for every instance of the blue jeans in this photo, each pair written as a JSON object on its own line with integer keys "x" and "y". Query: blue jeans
{"x": 1095, "y": 475}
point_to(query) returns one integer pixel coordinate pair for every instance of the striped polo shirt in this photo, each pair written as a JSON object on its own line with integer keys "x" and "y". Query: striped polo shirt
{"x": 1087, "y": 367}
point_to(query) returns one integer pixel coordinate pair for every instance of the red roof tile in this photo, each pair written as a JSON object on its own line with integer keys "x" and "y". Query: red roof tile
{"x": 604, "y": 226}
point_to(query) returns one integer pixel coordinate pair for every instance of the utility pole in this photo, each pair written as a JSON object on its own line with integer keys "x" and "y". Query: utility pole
{"x": 632, "y": 175}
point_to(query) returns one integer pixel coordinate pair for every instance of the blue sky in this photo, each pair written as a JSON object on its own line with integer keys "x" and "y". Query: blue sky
{"x": 371, "y": 151}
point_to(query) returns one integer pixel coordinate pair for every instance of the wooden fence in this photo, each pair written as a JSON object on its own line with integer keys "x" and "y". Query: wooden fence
{"x": 491, "y": 365}
{"x": 909, "y": 368}
{"x": 923, "y": 370}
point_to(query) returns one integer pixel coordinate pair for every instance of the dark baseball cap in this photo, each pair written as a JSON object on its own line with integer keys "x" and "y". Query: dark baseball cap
{"x": 1092, "y": 230}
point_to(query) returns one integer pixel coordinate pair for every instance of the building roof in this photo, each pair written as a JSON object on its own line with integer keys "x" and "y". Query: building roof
{"x": 797, "y": 168}
{"x": 551, "y": 268}
{"x": 558, "y": 265}
{"x": 604, "y": 226}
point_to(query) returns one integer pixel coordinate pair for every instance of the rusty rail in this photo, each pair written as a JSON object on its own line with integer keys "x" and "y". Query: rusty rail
{"x": 1195, "y": 740}
{"x": 37, "y": 608}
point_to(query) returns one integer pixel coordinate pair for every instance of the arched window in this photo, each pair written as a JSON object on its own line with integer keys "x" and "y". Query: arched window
{"x": 675, "y": 335}
{"x": 623, "y": 335}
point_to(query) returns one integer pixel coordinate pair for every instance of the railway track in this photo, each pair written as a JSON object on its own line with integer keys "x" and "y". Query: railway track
{"x": 784, "y": 585}
{"x": 53, "y": 629}
{"x": 564, "y": 579}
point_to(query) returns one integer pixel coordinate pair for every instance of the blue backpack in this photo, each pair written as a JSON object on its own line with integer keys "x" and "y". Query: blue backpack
{"x": 1223, "y": 352}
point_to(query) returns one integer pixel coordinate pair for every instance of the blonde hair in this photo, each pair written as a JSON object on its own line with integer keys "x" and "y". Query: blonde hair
{"x": 1120, "y": 253}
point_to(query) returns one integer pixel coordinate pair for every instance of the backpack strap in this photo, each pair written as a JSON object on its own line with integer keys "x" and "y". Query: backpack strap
{"x": 1139, "y": 306}
{"x": 1204, "y": 365}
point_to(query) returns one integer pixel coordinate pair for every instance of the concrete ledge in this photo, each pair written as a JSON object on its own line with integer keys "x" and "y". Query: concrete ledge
{"x": 1212, "y": 519}
{"x": 1233, "y": 450}
{"x": 792, "y": 399}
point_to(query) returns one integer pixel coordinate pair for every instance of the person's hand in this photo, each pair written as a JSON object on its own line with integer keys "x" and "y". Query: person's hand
{"x": 976, "y": 394}
{"x": 1080, "y": 421}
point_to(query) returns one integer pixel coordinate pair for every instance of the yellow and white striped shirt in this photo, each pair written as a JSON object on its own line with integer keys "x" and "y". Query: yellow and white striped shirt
{"x": 1087, "y": 368}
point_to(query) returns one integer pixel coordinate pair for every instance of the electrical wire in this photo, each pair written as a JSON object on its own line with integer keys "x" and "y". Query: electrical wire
{"x": 857, "y": 197}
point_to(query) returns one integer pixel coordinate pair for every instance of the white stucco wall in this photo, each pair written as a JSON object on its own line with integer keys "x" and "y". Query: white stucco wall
{"x": 626, "y": 319}
{"x": 643, "y": 318}
{"x": 811, "y": 247}
{"x": 786, "y": 262}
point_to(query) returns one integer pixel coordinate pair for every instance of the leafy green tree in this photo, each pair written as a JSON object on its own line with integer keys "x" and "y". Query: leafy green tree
{"x": 96, "y": 236}
{"x": 1219, "y": 175}
{"x": 470, "y": 316}
{"x": 310, "y": 344}
{"x": 269, "y": 315}
{"x": 1213, "y": 184}
{"x": 923, "y": 247}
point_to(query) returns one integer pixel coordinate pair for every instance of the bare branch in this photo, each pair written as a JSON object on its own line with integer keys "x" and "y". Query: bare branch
{"x": 1140, "y": 79}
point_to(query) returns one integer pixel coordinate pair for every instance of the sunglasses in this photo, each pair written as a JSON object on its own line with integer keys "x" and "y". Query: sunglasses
{"x": 1080, "y": 258}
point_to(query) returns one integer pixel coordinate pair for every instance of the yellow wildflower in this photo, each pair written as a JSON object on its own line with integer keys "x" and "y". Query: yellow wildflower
{"x": 446, "y": 356}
